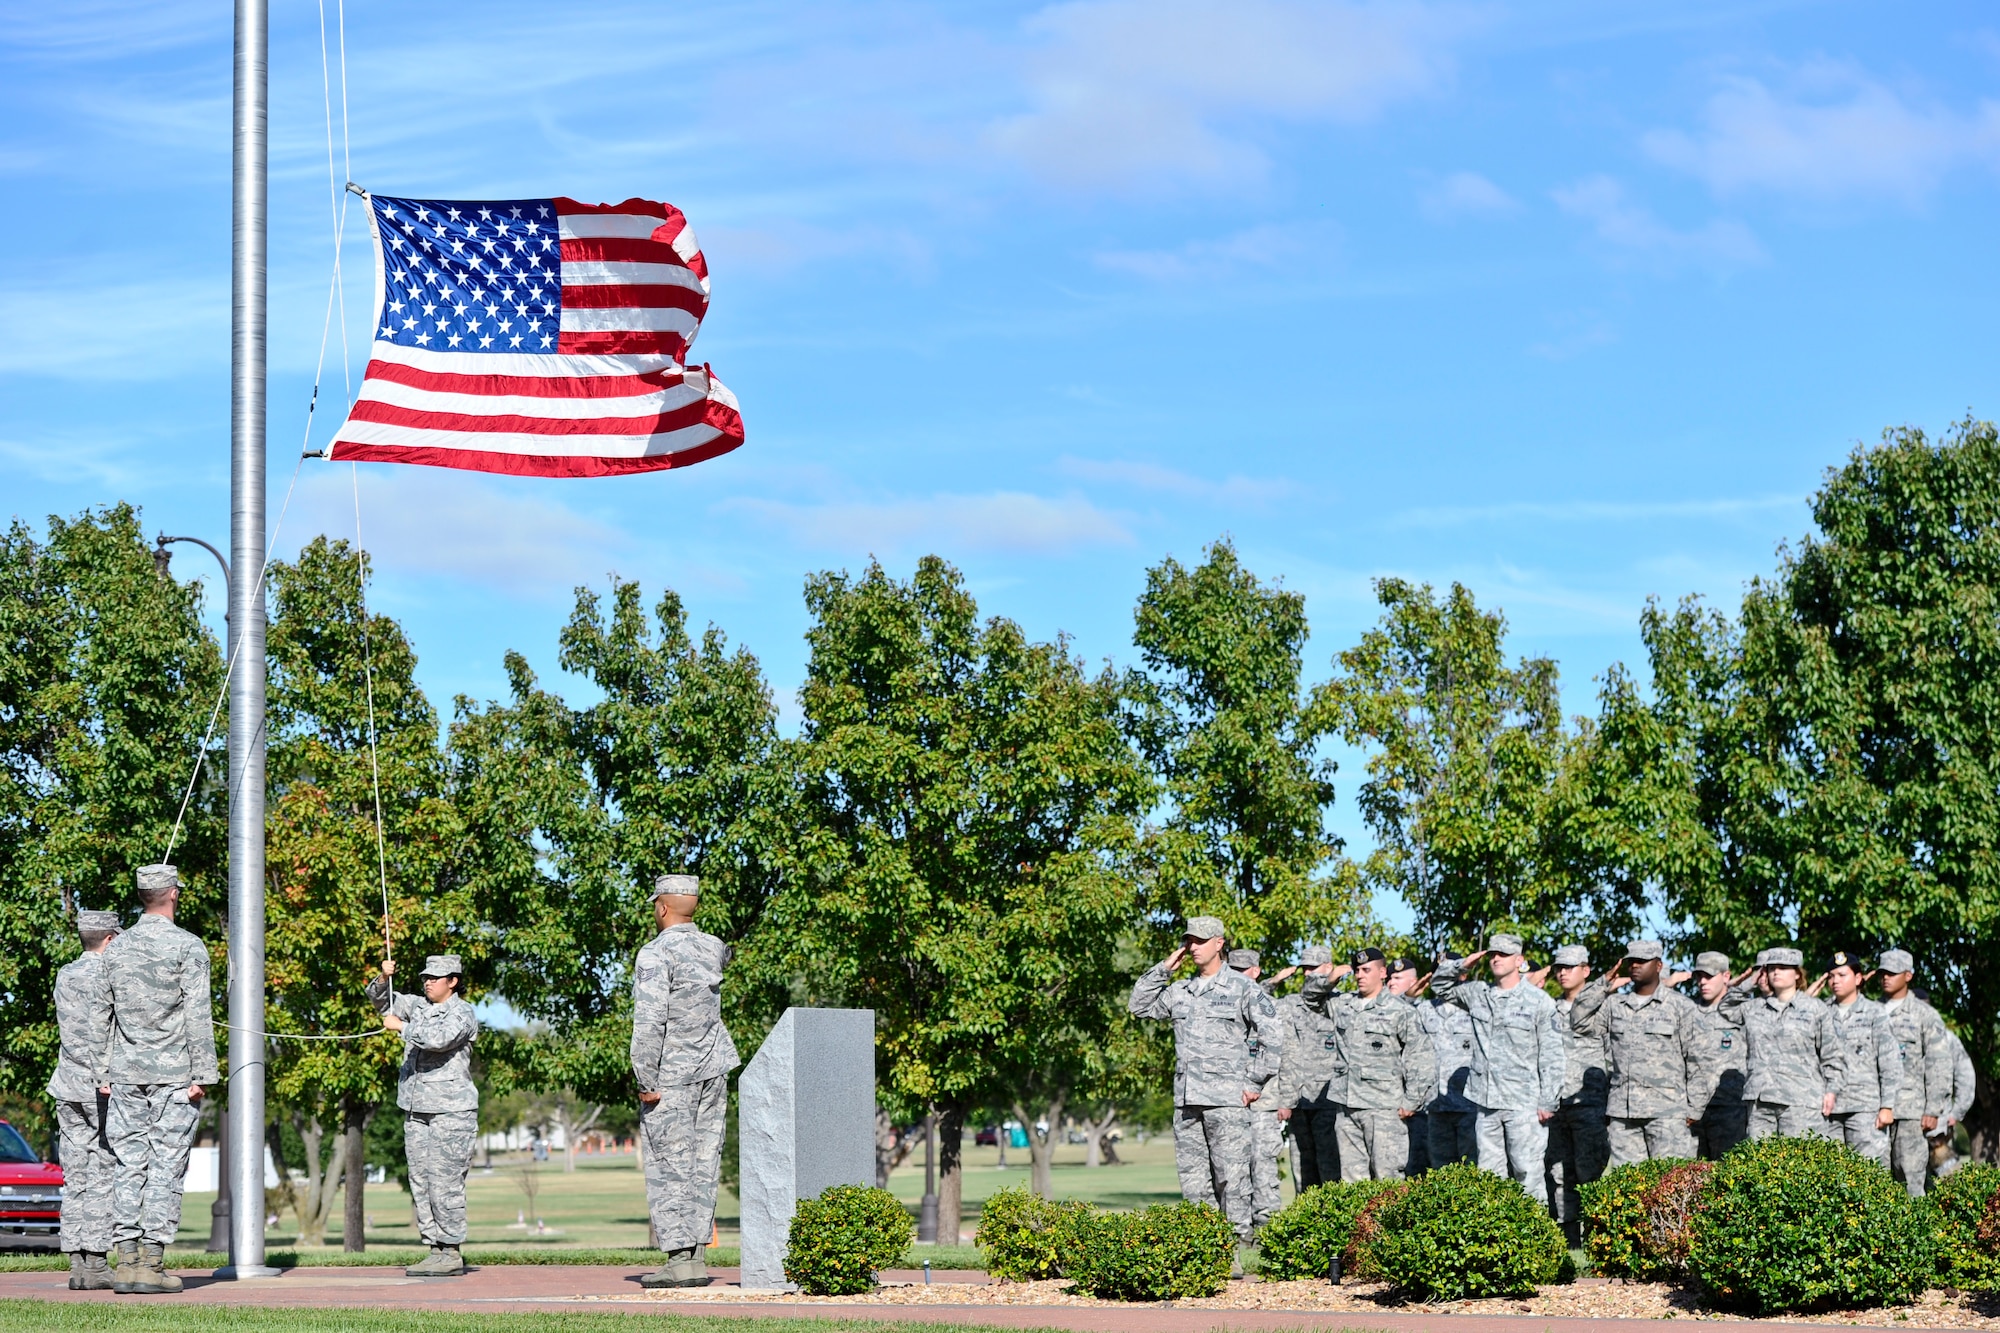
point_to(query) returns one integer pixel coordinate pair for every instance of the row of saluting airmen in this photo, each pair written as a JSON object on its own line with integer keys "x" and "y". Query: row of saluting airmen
{"x": 1373, "y": 1082}
{"x": 138, "y": 1052}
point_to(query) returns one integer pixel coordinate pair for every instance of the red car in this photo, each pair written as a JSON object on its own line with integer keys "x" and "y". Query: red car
{"x": 31, "y": 1192}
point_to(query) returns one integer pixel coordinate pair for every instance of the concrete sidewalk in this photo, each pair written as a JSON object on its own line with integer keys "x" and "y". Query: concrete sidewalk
{"x": 526, "y": 1288}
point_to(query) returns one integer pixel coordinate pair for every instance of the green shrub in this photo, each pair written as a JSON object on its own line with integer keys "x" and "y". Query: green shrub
{"x": 1303, "y": 1236}
{"x": 1355, "y": 1261}
{"x": 1161, "y": 1253}
{"x": 1023, "y": 1235}
{"x": 1960, "y": 1200}
{"x": 1616, "y": 1225}
{"x": 839, "y": 1241}
{"x": 1794, "y": 1224}
{"x": 1670, "y": 1208}
{"x": 1459, "y": 1232}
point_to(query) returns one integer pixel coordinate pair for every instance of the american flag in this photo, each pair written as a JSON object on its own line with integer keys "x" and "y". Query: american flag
{"x": 541, "y": 337}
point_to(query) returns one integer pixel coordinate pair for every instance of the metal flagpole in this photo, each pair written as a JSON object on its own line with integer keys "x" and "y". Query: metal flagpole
{"x": 248, "y": 229}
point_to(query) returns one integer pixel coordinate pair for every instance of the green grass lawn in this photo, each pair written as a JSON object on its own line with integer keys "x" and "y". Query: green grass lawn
{"x": 170, "y": 1317}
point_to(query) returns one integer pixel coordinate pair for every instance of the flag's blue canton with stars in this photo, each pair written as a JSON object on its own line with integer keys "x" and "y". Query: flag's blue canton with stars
{"x": 470, "y": 278}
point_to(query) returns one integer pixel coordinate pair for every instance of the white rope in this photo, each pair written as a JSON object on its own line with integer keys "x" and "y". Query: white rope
{"x": 368, "y": 672}
{"x": 305, "y": 1036}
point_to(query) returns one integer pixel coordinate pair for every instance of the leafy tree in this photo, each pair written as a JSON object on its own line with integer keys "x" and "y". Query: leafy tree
{"x": 107, "y": 677}
{"x": 1222, "y": 718}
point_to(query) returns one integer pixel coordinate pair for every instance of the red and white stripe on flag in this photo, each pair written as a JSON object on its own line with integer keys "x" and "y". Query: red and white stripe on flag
{"x": 541, "y": 337}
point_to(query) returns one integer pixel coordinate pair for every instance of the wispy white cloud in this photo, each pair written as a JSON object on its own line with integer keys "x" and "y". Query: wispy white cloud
{"x": 1153, "y": 477}
{"x": 1630, "y": 228}
{"x": 1254, "y": 247}
{"x": 112, "y": 466}
{"x": 1594, "y": 511}
{"x": 1465, "y": 194}
{"x": 1829, "y": 132}
{"x": 108, "y": 29}
{"x": 1141, "y": 93}
{"x": 1007, "y": 521}
{"x": 80, "y": 329}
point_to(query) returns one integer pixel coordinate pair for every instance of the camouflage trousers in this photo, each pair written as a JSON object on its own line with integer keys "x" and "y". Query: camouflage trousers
{"x": 150, "y": 1127}
{"x": 1374, "y": 1145}
{"x": 1315, "y": 1147}
{"x": 1212, "y": 1146}
{"x": 87, "y": 1166}
{"x": 1769, "y": 1119}
{"x": 1515, "y": 1144}
{"x": 1909, "y": 1154}
{"x": 1858, "y": 1131}
{"x": 684, "y": 1160}
{"x": 1453, "y": 1137}
{"x": 1722, "y": 1128}
{"x": 1643, "y": 1138}
{"x": 1266, "y": 1142}
{"x": 1577, "y": 1153}
{"x": 439, "y": 1147}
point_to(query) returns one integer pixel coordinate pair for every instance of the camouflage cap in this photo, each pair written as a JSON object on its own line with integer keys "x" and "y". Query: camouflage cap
{"x": 1896, "y": 960}
{"x": 1315, "y": 955}
{"x": 442, "y": 965}
{"x": 97, "y": 923}
{"x": 157, "y": 879}
{"x": 1572, "y": 955}
{"x": 1786, "y": 958}
{"x": 1645, "y": 951}
{"x": 1505, "y": 944}
{"x": 1763, "y": 958}
{"x": 1245, "y": 959}
{"x": 685, "y": 885}
{"x": 1204, "y": 928}
{"x": 1713, "y": 964}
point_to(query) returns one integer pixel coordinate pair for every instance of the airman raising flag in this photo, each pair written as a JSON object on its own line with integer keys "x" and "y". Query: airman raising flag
{"x": 541, "y": 337}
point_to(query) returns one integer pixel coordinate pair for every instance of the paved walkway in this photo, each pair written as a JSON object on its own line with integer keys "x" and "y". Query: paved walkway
{"x": 529, "y": 1288}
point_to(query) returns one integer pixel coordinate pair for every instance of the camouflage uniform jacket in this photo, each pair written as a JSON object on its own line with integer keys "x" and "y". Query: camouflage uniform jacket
{"x": 1275, "y": 1097}
{"x": 1517, "y": 1049}
{"x": 79, "y": 1023}
{"x": 1309, "y": 1055}
{"x": 1927, "y": 1083}
{"x": 1384, "y": 1060}
{"x": 1652, "y": 1050}
{"x": 153, "y": 1007}
{"x": 437, "y": 1049}
{"x": 1450, "y": 1029}
{"x": 1226, "y": 1036}
{"x": 1723, "y": 1048}
{"x": 1586, "y": 1081}
{"x": 1964, "y": 1078}
{"x": 1874, "y": 1061}
{"x": 1794, "y": 1056}
{"x": 678, "y": 1036}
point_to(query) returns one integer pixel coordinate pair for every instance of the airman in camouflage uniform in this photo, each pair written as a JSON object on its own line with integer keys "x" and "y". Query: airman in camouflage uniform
{"x": 1517, "y": 1063}
{"x": 681, "y": 1056}
{"x": 1266, "y": 1129}
{"x": 1866, "y": 1106}
{"x": 1301, "y": 1083}
{"x": 1925, "y": 1095}
{"x": 1226, "y": 1049}
{"x": 1794, "y": 1060}
{"x": 1403, "y": 982}
{"x": 440, "y": 1104}
{"x": 1385, "y": 1067}
{"x": 152, "y": 1004}
{"x": 80, "y": 1107}
{"x": 1451, "y": 1120}
{"x": 1578, "y": 1145}
{"x": 1653, "y": 1053}
{"x": 1726, "y": 1120}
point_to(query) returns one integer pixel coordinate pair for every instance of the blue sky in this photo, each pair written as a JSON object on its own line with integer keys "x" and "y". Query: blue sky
{"x": 1572, "y": 302}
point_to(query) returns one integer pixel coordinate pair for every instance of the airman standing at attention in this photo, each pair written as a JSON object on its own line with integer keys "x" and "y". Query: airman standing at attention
{"x": 1653, "y": 1051}
{"x": 1266, "y": 1129}
{"x": 439, "y": 1101}
{"x": 1452, "y": 1119}
{"x": 1385, "y": 1067}
{"x": 1866, "y": 1106}
{"x": 1578, "y": 1147}
{"x": 1300, "y": 1085}
{"x": 80, "y": 1107}
{"x": 1726, "y": 1120}
{"x": 1925, "y": 1096}
{"x": 1404, "y": 981}
{"x": 681, "y": 1057}
{"x": 1794, "y": 1061}
{"x": 1518, "y": 1060}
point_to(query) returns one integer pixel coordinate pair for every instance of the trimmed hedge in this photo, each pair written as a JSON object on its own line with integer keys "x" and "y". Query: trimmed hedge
{"x": 1357, "y": 1261}
{"x": 1302, "y": 1238}
{"x": 1617, "y": 1229}
{"x": 839, "y": 1241}
{"x": 1670, "y": 1209}
{"x": 1797, "y": 1224}
{"x": 1961, "y": 1200}
{"x": 1024, "y": 1236}
{"x": 1161, "y": 1253}
{"x": 1461, "y": 1232}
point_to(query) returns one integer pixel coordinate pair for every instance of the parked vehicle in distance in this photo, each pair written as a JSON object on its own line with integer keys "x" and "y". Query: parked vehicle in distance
{"x": 31, "y": 1192}
{"x": 986, "y": 1137}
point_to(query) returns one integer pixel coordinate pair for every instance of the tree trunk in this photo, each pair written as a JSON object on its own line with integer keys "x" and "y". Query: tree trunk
{"x": 1042, "y": 1144}
{"x": 1098, "y": 1148}
{"x": 354, "y": 1219}
{"x": 1982, "y": 1122}
{"x": 322, "y": 1179}
{"x": 951, "y": 1174}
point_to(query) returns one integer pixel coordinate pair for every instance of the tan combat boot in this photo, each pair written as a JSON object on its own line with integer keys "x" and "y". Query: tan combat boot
{"x": 76, "y": 1270}
{"x": 691, "y": 1269}
{"x": 96, "y": 1273}
{"x": 153, "y": 1278}
{"x": 127, "y": 1253}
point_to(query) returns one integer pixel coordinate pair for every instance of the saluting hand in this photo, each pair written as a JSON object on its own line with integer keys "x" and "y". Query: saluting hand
{"x": 1284, "y": 973}
{"x": 1174, "y": 958}
{"x": 1539, "y": 976}
{"x": 1818, "y": 983}
{"x": 1677, "y": 978}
